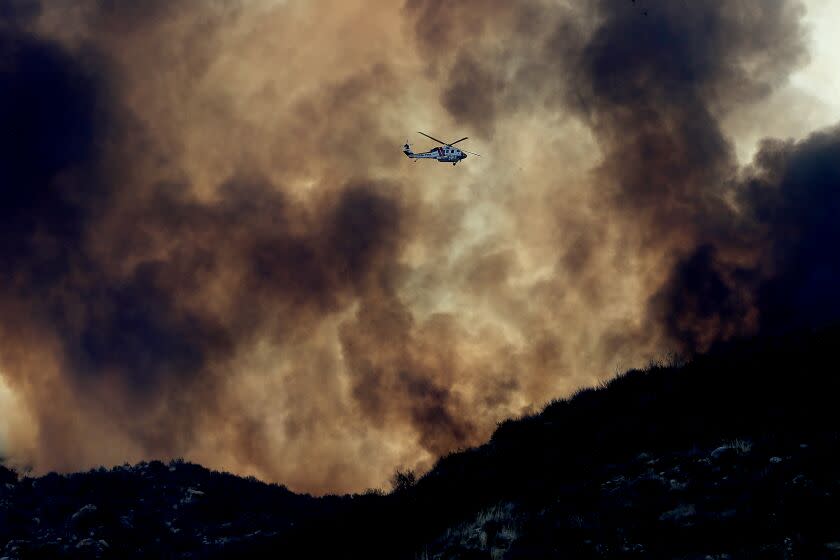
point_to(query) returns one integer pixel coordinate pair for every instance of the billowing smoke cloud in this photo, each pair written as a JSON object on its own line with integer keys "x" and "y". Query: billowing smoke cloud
{"x": 786, "y": 204}
{"x": 144, "y": 291}
{"x": 212, "y": 247}
{"x": 655, "y": 82}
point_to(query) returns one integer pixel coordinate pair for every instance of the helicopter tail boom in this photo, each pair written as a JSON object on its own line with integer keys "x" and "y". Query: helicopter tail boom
{"x": 418, "y": 155}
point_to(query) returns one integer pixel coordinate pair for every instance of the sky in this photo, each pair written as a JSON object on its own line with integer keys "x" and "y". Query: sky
{"x": 814, "y": 87}
{"x": 214, "y": 248}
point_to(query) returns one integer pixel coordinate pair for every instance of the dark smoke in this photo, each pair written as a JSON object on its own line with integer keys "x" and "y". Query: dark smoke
{"x": 400, "y": 368}
{"x": 790, "y": 199}
{"x": 15, "y": 13}
{"x": 664, "y": 82}
{"x": 706, "y": 299}
{"x": 150, "y": 291}
{"x": 654, "y": 80}
{"x": 208, "y": 244}
{"x": 798, "y": 205}
{"x": 50, "y": 107}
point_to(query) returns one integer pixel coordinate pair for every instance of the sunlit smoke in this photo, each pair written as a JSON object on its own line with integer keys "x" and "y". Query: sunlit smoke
{"x": 213, "y": 247}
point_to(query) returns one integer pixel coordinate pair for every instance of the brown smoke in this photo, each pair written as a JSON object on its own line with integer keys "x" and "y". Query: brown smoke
{"x": 213, "y": 247}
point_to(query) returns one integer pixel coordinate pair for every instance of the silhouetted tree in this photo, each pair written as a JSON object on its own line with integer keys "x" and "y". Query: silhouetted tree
{"x": 402, "y": 480}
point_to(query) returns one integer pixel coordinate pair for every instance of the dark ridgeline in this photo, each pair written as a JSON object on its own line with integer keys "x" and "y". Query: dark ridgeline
{"x": 734, "y": 453}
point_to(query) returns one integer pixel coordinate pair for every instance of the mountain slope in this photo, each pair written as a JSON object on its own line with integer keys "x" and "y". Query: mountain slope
{"x": 731, "y": 455}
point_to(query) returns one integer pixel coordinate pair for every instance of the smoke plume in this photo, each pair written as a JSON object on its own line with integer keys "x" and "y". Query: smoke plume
{"x": 212, "y": 246}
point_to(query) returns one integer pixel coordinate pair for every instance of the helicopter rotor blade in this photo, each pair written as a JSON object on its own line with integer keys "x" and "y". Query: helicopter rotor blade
{"x": 433, "y": 138}
{"x": 456, "y": 141}
{"x": 473, "y": 153}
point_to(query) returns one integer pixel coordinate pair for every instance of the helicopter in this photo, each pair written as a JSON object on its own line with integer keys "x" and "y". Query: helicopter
{"x": 444, "y": 154}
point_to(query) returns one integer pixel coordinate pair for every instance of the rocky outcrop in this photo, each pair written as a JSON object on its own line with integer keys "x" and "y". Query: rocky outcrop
{"x": 736, "y": 500}
{"x": 175, "y": 510}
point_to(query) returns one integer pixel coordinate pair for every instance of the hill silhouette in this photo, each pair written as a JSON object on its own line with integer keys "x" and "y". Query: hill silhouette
{"x": 733, "y": 454}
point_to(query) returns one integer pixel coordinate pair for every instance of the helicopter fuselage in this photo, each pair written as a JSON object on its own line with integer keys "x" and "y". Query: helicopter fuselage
{"x": 443, "y": 154}
{"x": 447, "y": 153}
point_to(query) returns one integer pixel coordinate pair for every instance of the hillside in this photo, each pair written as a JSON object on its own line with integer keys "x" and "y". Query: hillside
{"x": 735, "y": 454}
